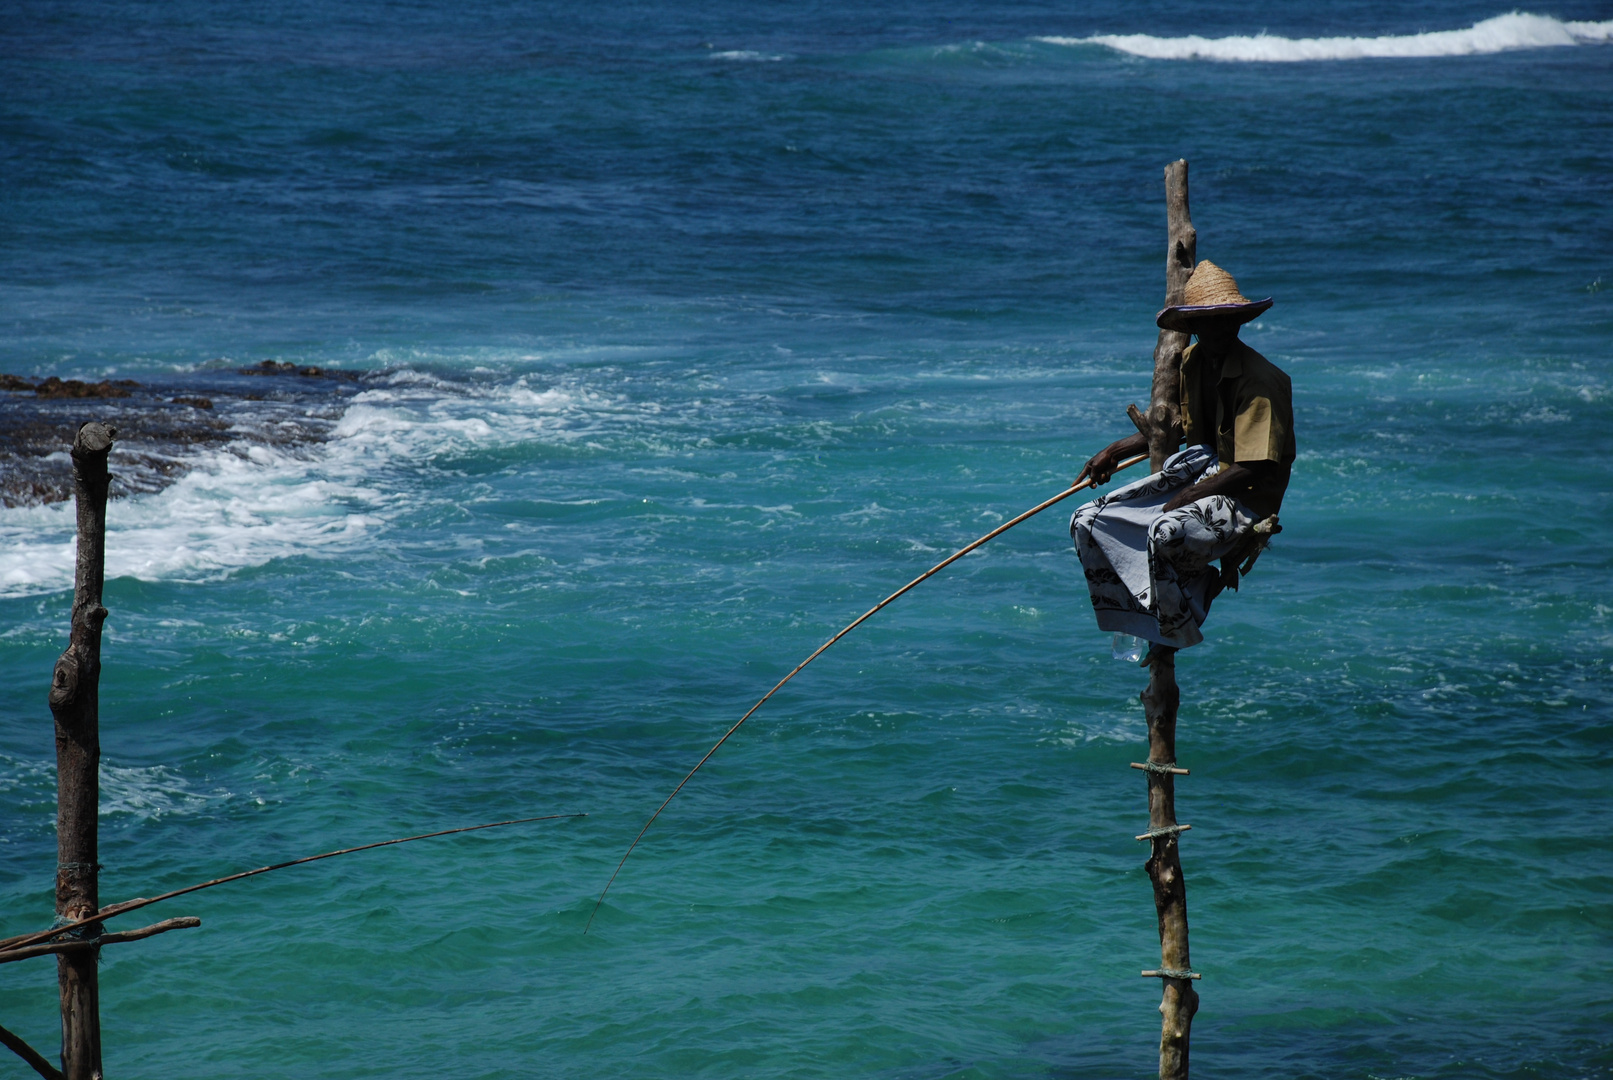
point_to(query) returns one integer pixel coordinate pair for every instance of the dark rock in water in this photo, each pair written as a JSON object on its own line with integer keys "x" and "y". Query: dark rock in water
{"x": 73, "y": 388}
{"x": 283, "y": 367}
{"x": 165, "y": 426}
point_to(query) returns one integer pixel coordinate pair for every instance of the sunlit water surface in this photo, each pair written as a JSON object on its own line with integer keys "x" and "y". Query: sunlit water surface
{"x": 692, "y": 334}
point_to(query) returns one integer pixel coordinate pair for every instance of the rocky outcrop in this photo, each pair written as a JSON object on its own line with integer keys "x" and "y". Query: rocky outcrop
{"x": 165, "y": 425}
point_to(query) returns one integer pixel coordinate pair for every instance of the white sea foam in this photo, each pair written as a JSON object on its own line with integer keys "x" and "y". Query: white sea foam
{"x": 747, "y": 55}
{"x": 235, "y": 508}
{"x": 150, "y": 792}
{"x": 140, "y": 791}
{"x": 244, "y": 505}
{"x": 1500, "y": 34}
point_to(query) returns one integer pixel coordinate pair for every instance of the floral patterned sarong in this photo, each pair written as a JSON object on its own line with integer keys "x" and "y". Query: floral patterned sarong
{"x": 1149, "y": 572}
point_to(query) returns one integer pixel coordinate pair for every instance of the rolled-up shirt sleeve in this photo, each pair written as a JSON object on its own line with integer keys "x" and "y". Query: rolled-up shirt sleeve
{"x": 1258, "y": 433}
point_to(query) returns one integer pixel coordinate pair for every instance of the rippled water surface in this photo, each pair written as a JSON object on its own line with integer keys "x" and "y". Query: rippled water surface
{"x": 686, "y": 333}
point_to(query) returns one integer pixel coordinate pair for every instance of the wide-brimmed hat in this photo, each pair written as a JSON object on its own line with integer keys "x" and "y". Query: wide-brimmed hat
{"x": 1210, "y": 294}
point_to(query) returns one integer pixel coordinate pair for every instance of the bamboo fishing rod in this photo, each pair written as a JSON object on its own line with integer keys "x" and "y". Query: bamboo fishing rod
{"x": 24, "y": 940}
{"x": 821, "y": 649}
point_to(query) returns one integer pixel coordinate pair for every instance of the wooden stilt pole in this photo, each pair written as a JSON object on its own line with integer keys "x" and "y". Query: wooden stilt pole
{"x": 75, "y": 703}
{"x": 1179, "y": 1001}
{"x": 1163, "y": 429}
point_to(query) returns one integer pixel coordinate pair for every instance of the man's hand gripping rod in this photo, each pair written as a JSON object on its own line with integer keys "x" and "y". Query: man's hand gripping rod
{"x": 937, "y": 568}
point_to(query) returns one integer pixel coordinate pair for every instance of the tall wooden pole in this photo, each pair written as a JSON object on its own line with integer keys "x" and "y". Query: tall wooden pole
{"x": 1164, "y": 426}
{"x": 75, "y": 704}
{"x": 1179, "y": 1001}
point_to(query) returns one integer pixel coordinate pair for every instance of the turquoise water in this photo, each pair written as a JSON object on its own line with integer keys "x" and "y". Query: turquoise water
{"x": 690, "y": 335}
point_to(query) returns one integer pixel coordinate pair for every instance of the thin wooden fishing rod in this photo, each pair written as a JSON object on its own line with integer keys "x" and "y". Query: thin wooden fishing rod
{"x": 133, "y": 905}
{"x": 937, "y": 568}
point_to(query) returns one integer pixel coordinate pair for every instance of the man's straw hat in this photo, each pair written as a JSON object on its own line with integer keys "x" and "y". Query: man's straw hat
{"x": 1210, "y": 294}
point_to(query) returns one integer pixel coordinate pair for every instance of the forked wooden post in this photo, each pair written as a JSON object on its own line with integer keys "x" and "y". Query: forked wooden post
{"x": 75, "y": 704}
{"x": 1163, "y": 429}
{"x": 77, "y": 937}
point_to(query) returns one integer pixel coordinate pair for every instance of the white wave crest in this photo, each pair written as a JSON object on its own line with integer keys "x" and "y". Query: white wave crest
{"x": 245, "y": 505}
{"x": 234, "y": 509}
{"x": 747, "y": 56}
{"x": 1503, "y": 33}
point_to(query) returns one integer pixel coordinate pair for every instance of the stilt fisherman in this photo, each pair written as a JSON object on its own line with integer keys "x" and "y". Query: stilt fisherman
{"x": 1147, "y": 548}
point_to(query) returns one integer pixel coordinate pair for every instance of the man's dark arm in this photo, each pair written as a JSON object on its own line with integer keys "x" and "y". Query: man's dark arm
{"x": 1102, "y": 465}
{"x": 1234, "y": 480}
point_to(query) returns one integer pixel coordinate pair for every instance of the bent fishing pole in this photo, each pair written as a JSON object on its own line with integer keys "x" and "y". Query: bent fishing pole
{"x": 821, "y": 649}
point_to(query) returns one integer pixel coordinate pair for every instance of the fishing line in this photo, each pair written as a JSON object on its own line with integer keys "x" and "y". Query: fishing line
{"x": 943, "y": 564}
{"x": 134, "y": 905}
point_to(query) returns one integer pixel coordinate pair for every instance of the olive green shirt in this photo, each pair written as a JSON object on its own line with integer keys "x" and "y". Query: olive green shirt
{"x": 1246, "y": 417}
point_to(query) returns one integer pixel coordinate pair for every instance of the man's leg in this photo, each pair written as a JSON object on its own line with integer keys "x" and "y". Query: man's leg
{"x": 1109, "y": 592}
{"x": 1181, "y": 546}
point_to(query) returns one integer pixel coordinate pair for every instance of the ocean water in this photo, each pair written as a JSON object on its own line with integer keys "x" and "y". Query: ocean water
{"x": 686, "y": 333}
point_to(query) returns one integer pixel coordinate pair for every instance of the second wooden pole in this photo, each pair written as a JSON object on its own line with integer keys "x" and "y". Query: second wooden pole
{"x": 75, "y": 704}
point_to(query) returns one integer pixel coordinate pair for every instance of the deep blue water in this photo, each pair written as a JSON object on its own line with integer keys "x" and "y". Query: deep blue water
{"x": 696, "y": 329}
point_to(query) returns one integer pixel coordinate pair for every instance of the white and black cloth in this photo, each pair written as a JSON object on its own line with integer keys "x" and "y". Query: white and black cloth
{"x": 1149, "y": 572}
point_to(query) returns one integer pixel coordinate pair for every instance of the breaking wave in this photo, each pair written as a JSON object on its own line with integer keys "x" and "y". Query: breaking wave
{"x": 243, "y": 505}
{"x": 1500, "y": 34}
